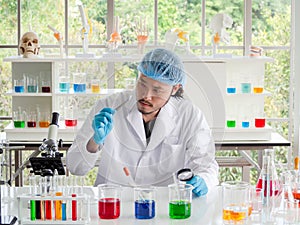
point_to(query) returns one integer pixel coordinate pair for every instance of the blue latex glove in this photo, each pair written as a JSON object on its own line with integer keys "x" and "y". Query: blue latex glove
{"x": 102, "y": 124}
{"x": 199, "y": 184}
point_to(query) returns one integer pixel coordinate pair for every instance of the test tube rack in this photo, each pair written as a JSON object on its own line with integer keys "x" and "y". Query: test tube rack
{"x": 83, "y": 210}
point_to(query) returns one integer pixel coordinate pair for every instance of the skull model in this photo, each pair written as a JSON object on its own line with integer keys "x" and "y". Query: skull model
{"x": 29, "y": 45}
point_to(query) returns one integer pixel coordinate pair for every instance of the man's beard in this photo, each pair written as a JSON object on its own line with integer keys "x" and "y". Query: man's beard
{"x": 149, "y": 104}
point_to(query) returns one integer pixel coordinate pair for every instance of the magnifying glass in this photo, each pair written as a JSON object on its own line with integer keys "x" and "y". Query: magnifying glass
{"x": 184, "y": 174}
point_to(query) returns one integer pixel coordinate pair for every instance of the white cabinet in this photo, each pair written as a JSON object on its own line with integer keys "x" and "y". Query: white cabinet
{"x": 207, "y": 82}
{"x": 231, "y": 94}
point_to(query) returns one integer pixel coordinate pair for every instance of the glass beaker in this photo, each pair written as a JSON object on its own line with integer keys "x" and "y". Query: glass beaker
{"x": 19, "y": 85}
{"x": 144, "y": 202}
{"x": 45, "y": 79}
{"x": 19, "y": 118}
{"x": 180, "y": 200}
{"x": 32, "y": 84}
{"x": 64, "y": 84}
{"x": 109, "y": 201}
{"x": 235, "y": 200}
{"x": 231, "y": 87}
{"x": 31, "y": 119}
{"x": 258, "y": 85}
{"x": 95, "y": 85}
{"x": 79, "y": 82}
{"x": 44, "y": 119}
{"x": 255, "y": 200}
{"x": 70, "y": 117}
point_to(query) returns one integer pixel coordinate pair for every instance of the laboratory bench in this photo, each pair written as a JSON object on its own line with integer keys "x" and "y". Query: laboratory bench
{"x": 204, "y": 210}
{"x": 245, "y": 161}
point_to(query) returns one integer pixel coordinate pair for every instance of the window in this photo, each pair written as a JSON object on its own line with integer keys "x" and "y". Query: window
{"x": 268, "y": 27}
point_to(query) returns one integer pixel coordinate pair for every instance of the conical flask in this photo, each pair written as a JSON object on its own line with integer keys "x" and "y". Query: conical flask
{"x": 269, "y": 174}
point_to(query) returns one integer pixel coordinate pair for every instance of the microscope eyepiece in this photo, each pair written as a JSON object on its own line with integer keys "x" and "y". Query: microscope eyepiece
{"x": 55, "y": 116}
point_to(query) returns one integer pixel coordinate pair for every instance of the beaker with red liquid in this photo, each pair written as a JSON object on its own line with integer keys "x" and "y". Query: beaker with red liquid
{"x": 109, "y": 202}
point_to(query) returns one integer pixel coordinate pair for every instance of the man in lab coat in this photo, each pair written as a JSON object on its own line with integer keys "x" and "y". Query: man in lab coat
{"x": 153, "y": 131}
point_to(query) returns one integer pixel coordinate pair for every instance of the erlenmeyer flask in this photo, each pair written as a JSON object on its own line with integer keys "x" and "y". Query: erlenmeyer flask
{"x": 269, "y": 168}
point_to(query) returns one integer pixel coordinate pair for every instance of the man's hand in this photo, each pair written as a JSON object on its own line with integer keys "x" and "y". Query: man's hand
{"x": 102, "y": 124}
{"x": 199, "y": 184}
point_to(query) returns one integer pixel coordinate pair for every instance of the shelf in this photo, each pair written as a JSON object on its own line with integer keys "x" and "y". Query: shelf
{"x": 89, "y": 93}
{"x": 238, "y": 134}
{"x": 132, "y": 58}
{"x": 26, "y": 94}
{"x": 38, "y": 134}
{"x": 264, "y": 94}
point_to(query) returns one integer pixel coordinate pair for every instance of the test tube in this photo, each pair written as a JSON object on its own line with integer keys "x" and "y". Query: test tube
{"x": 47, "y": 192}
{"x": 32, "y": 192}
{"x": 74, "y": 207}
{"x": 58, "y": 206}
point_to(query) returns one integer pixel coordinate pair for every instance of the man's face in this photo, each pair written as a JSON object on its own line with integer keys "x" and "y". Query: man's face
{"x": 151, "y": 94}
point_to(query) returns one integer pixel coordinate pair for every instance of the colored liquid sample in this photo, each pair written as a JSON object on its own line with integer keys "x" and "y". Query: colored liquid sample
{"x": 38, "y": 209}
{"x": 144, "y": 209}
{"x": 70, "y": 123}
{"x": 79, "y": 88}
{"x": 64, "y": 211}
{"x": 260, "y": 123}
{"x": 19, "y": 88}
{"x": 245, "y": 88}
{"x": 31, "y": 124}
{"x": 32, "y": 210}
{"x": 179, "y": 209}
{"x": 109, "y": 208}
{"x": 95, "y": 88}
{"x": 245, "y": 124}
{"x": 235, "y": 213}
{"x": 44, "y": 124}
{"x": 19, "y": 124}
{"x": 230, "y": 123}
{"x": 74, "y": 208}
{"x": 31, "y": 88}
{"x": 259, "y": 185}
{"x": 58, "y": 207}
{"x": 231, "y": 90}
{"x": 64, "y": 87}
{"x": 46, "y": 89}
{"x": 296, "y": 195}
{"x": 258, "y": 90}
{"x": 48, "y": 209}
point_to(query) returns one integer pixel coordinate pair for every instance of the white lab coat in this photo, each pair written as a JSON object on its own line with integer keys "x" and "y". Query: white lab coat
{"x": 180, "y": 138}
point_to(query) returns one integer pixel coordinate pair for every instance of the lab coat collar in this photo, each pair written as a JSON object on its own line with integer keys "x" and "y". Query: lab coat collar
{"x": 164, "y": 124}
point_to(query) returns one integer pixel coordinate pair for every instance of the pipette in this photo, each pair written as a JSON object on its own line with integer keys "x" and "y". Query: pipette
{"x": 131, "y": 182}
{"x": 123, "y": 103}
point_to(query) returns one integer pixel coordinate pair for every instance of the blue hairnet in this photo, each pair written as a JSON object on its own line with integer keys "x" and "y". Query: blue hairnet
{"x": 164, "y": 66}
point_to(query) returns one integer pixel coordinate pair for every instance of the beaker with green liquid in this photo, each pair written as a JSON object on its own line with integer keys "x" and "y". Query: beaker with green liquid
{"x": 180, "y": 200}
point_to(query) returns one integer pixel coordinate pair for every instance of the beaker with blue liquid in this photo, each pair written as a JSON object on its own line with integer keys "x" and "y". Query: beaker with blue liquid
{"x": 144, "y": 202}
{"x": 231, "y": 87}
{"x": 79, "y": 82}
